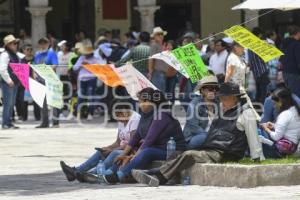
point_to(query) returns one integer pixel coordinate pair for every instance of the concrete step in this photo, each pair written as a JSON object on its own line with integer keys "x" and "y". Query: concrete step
{"x": 242, "y": 176}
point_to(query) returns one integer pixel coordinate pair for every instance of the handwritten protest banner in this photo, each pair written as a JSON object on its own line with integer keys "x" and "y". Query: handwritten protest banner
{"x": 171, "y": 60}
{"x": 105, "y": 73}
{"x": 21, "y": 70}
{"x": 54, "y": 87}
{"x": 37, "y": 92}
{"x": 190, "y": 59}
{"x": 133, "y": 80}
{"x": 248, "y": 40}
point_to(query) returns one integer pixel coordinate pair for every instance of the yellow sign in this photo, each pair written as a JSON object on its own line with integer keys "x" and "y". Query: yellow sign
{"x": 248, "y": 40}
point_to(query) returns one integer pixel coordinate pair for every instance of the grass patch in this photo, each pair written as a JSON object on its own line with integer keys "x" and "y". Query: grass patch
{"x": 287, "y": 160}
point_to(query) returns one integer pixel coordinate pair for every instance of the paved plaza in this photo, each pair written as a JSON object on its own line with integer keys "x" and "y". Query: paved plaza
{"x": 29, "y": 169}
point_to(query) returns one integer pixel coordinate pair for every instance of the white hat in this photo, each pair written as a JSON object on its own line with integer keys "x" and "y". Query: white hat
{"x": 228, "y": 40}
{"x": 158, "y": 30}
{"x": 207, "y": 80}
{"x": 9, "y": 39}
{"x": 61, "y": 43}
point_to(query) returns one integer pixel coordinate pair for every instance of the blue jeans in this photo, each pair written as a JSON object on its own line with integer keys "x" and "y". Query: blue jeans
{"x": 170, "y": 87}
{"x": 144, "y": 159}
{"x": 9, "y": 98}
{"x": 87, "y": 91}
{"x": 93, "y": 161}
{"x": 196, "y": 141}
{"x": 159, "y": 80}
{"x": 270, "y": 152}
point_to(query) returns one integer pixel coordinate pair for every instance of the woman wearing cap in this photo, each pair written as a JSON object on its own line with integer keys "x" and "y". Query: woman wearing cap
{"x": 200, "y": 112}
{"x": 10, "y": 81}
{"x": 236, "y": 66}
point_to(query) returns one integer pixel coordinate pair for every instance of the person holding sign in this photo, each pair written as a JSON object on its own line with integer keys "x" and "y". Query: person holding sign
{"x": 236, "y": 66}
{"x": 48, "y": 57}
{"x": 10, "y": 82}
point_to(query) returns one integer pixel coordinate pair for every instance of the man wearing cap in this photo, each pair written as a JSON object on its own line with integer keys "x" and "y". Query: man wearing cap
{"x": 228, "y": 138}
{"x": 48, "y": 57}
{"x": 157, "y": 68}
{"x": 86, "y": 80}
{"x": 200, "y": 112}
{"x": 10, "y": 81}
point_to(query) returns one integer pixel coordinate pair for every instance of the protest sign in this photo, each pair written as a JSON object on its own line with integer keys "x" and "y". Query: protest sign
{"x": 21, "y": 70}
{"x": 248, "y": 40}
{"x": 171, "y": 60}
{"x": 37, "y": 92}
{"x": 105, "y": 73}
{"x": 54, "y": 87}
{"x": 54, "y": 93}
{"x": 133, "y": 80}
{"x": 190, "y": 59}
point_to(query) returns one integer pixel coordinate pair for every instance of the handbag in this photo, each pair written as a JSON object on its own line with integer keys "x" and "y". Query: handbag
{"x": 285, "y": 146}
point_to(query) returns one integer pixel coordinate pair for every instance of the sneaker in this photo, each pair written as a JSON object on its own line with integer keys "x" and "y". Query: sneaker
{"x": 14, "y": 127}
{"x": 68, "y": 171}
{"x": 62, "y": 117}
{"x": 90, "y": 117}
{"x": 87, "y": 178}
{"x": 144, "y": 178}
{"x": 111, "y": 179}
{"x": 5, "y": 127}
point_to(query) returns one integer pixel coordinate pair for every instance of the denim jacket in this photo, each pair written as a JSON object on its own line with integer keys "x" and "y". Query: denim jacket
{"x": 194, "y": 125}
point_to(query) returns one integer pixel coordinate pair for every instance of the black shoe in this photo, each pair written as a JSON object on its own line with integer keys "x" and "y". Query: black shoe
{"x": 142, "y": 177}
{"x": 42, "y": 126}
{"x": 87, "y": 178}
{"x": 68, "y": 171}
{"x": 14, "y": 127}
{"x": 111, "y": 179}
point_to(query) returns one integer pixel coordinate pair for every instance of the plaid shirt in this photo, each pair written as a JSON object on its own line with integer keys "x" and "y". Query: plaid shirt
{"x": 257, "y": 65}
{"x": 139, "y": 52}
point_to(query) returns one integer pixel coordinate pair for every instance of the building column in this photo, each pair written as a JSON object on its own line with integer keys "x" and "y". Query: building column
{"x": 38, "y": 10}
{"x": 147, "y": 9}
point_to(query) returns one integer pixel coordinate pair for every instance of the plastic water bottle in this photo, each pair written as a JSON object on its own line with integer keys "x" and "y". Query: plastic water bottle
{"x": 186, "y": 180}
{"x": 171, "y": 147}
{"x": 100, "y": 171}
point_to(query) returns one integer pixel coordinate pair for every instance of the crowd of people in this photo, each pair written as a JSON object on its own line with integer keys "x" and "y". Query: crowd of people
{"x": 222, "y": 123}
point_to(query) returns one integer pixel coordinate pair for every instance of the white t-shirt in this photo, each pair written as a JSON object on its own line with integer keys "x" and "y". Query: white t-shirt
{"x": 63, "y": 61}
{"x": 124, "y": 131}
{"x": 217, "y": 62}
{"x": 287, "y": 126}
{"x": 239, "y": 76}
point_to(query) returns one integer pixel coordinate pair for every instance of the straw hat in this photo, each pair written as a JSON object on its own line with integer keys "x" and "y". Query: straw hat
{"x": 86, "y": 50}
{"x": 157, "y": 30}
{"x": 207, "y": 80}
{"x": 9, "y": 39}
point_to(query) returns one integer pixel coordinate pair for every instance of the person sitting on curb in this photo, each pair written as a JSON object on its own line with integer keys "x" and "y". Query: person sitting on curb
{"x": 227, "y": 140}
{"x": 157, "y": 126}
{"x": 127, "y": 126}
{"x": 285, "y": 132}
{"x": 200, "y": 112}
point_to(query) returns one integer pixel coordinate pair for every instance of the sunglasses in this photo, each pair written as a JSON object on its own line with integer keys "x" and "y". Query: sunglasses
{"x": 211, "y": 88}
{"x": 29, "y": 49}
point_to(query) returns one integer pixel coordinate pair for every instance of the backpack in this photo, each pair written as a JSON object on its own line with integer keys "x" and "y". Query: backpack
{"x": 285, "y": 146}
